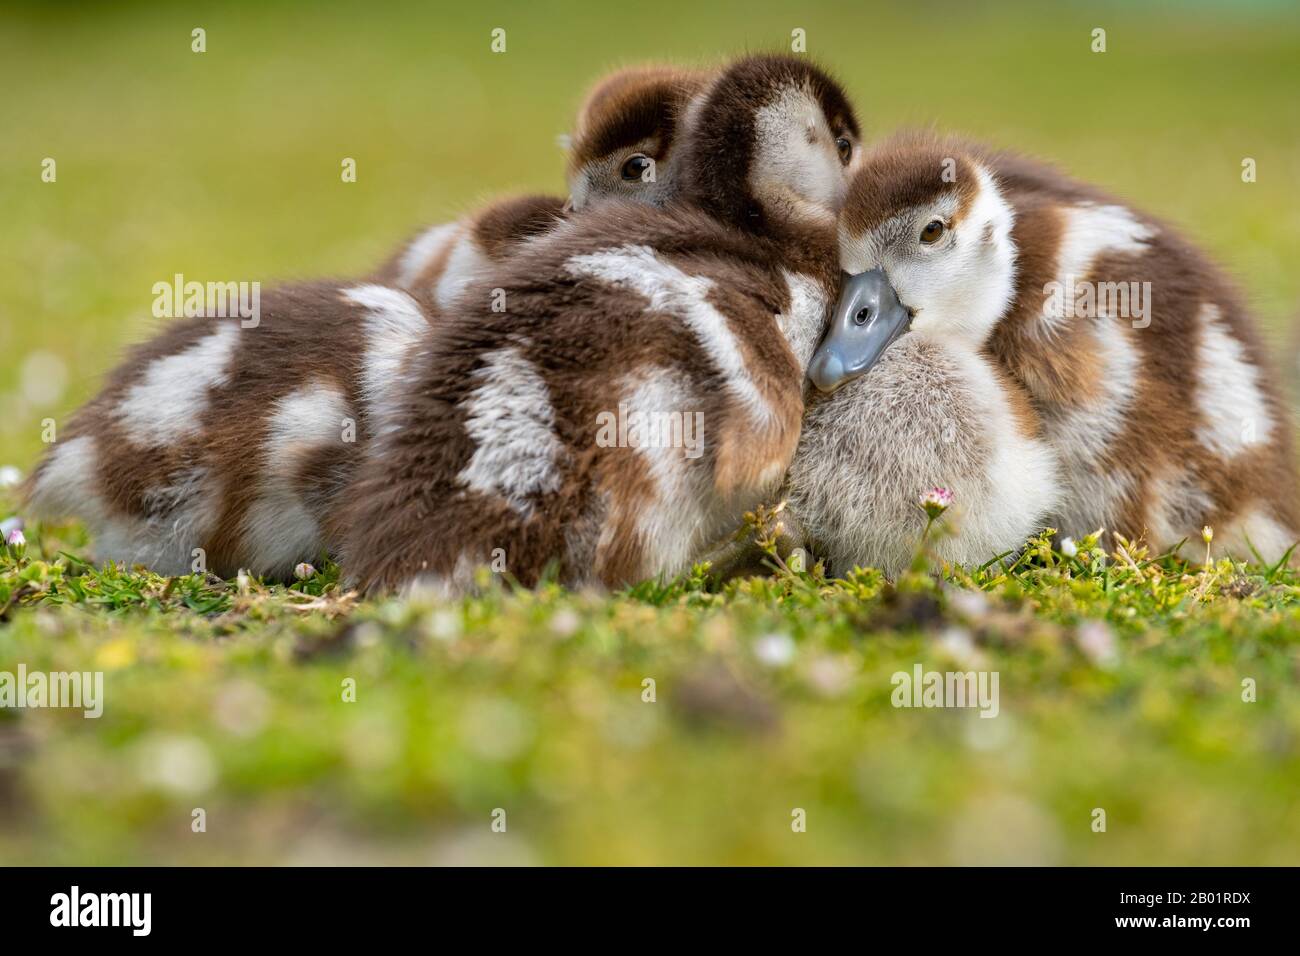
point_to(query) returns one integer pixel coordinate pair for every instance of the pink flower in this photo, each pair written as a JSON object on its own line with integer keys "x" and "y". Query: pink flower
{"x": 17, "y": 539}
{"x": 935, "y": 502}
{"x": 1097, "y": 641}
{"x": 303, "y": 571}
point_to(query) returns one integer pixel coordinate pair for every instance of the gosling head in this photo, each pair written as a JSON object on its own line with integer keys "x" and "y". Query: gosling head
{"x": 773, "y": 142}
{"x": 925, "y": 242}
{"x": 628, "y": 135}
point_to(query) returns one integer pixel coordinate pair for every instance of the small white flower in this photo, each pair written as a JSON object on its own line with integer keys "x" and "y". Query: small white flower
{"x": 179, "y": 765}
{"x": 1097, "y": 641}
{"x": 242, "y": 581}
{"x": 443, "y": 625}
{"x": 775, "y": 650}
{"x": 9, "y": 476}
{"x": 16, "y": 538}
{"x": 242, "y": 708}
{"x": 304, "y": 571}
{"x": 1207, "y": 534}
{"x": 959, "y": 644}
{"x": 565, "y": 622}
{"x": 830, "y": 676}
{"x": 935, "y": 502}
{"x": 1069, "y": 548}
{"x": 970, "y": 604}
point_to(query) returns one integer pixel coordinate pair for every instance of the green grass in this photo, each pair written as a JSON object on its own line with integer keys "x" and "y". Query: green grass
{"x": 1120, "y": 688}
{"x": 225, "y": 165}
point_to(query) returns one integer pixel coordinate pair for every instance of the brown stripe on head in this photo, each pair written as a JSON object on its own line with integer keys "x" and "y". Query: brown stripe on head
{"x": 908, "y": 173}
{"x": 631, "y": 107}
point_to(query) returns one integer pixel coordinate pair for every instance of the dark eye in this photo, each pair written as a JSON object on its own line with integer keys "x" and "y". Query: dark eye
{"x": 864, "y": 313}
{"x": 932, "y": 231}
{"x": 636, "y": 166}
{"x": 845, "y": 148}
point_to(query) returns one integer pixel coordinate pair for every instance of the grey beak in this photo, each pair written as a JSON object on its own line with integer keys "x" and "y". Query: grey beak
{"x": 868, "y": 318}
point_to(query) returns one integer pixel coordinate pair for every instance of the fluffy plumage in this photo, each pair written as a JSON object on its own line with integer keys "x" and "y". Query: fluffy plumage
{"x": 928, "y": 415}
{"x": 696, "y": 312}
{"x": 936, "y": 410}
{"x": 253, "y": 434}
{"x": 1167, "y": 421}
{"x": 1161, "y": 409}
{"x": 224, "y": 439}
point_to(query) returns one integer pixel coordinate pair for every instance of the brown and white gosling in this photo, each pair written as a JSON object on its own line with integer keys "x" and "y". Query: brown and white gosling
{"x": 1142, "y": 367}
{"x": 639, "y": 393}
{"x": 219, "y": 447}
{"x": 913, "y": 398}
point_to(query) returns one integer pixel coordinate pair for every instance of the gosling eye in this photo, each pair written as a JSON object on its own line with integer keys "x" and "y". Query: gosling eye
{"x": 845, "y": 148}
{"x": 863, "y": 314}
{"x": 636, "y": 167}
{"x": 931, "y": 233}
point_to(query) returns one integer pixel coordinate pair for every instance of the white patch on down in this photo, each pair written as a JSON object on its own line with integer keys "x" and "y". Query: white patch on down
{"x": 1087, "y": 432}
{"x": 465, "y": 264}
{"x": 279, "y": 529}
{"x": 66, "y": 485}
{"x": 166, "y": 404}
{"x": 674, "y": 292}
{"x": 990, "y": 268}
{"x": 424, "y": 251}
{"x": 1234, "y": 415}
{"x": 1020, "y": 479}
{"x": 394, "y": 326}
{"x": 680, "y": 522}
{"x": 178, "y": 517}
{"x": 1084, "y": 434}
{"x": 805, "y": 320}
{"x": 1089, "y": 231}
{"x": 510, "y": 419}
{"x": 181, "y": 514}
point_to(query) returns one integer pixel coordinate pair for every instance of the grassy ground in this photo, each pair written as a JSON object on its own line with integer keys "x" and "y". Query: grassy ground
{"x": 1120, "y": 689}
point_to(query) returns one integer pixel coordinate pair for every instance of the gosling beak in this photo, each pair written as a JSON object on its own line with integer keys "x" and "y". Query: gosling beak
{"x": 868, "y": 318}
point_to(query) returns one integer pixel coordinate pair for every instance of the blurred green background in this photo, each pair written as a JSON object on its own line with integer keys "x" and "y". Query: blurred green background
{"x": 225, "y": 165}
